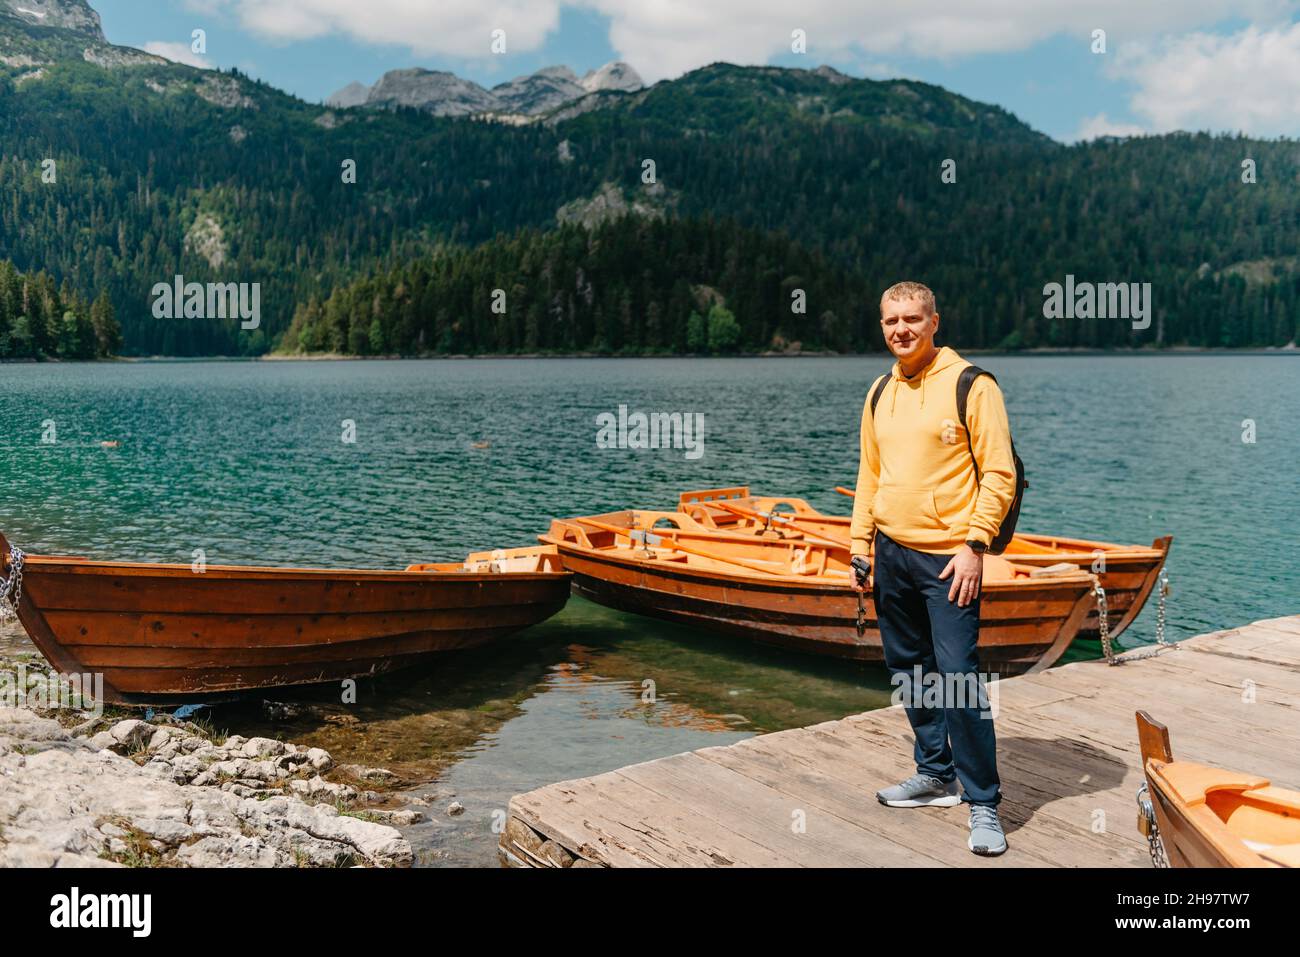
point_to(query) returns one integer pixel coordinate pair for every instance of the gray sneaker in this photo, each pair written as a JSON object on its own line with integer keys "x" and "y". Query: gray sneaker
{"x": 920, "y": 790}
{"x": 986, "y": 835}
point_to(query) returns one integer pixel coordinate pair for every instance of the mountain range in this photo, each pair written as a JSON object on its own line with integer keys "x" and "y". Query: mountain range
{"x": 121, "y": 170}
{"x": 445, "y": 94}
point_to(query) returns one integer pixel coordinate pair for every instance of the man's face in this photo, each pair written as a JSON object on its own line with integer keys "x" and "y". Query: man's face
{"x": 909, "y": 332}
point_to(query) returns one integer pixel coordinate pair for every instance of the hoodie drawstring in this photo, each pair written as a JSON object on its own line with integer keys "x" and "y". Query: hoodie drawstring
{"x": 898, "y": 377}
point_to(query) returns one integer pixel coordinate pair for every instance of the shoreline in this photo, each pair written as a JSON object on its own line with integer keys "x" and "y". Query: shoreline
{"x": 1288, "y": 350}
{"x": 105, "y": 788}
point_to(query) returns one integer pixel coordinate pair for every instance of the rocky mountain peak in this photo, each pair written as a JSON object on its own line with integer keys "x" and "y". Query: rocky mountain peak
{"x": 354, "y": 94}
{"x": 616, "y": 75}
{"x": 74, "y": 15}
{"x": 445, "y": 94}
{"x": 434, "y": 91}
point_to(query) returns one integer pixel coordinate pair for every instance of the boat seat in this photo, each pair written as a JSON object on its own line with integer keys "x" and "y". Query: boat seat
{"x": 1192, "y": 782}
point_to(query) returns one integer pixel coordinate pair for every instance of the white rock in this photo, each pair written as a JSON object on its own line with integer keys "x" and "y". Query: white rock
{"x": 102, "y": 741}
{"x": 291, "y": 761}
{"x": 26, "y": 725}
{"x": 234, "y": 768}
{"x": 262, "y": 748}
{"x": 318, "y": 787}
{"x": 165, "y": 831}
{"x": 224, "y": 852}
{"x": 403, "y": 818}
{"x": 132, "y": 733}
{"x": 315, "y": 851}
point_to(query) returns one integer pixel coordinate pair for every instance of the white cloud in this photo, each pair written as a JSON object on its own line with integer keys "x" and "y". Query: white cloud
{"x": 1248, "y": 81}
{"x": 1102, "y": 125}
{"x": 664, "y": 38}
{"x": 455, "y": 28}
{"x": 177, "y": 53}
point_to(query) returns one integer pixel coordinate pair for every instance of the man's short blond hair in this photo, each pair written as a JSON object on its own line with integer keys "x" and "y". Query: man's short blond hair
{"x": 909, "y": 290}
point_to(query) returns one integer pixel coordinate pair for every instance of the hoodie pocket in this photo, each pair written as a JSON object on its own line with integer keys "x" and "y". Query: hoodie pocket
{"x": 906, "y": 508}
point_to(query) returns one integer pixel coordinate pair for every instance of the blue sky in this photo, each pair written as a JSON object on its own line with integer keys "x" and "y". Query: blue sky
{"x": 1223, "y": 65}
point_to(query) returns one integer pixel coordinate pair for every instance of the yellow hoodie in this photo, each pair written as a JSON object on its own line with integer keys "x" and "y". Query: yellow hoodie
{"x": 916, "y": 480}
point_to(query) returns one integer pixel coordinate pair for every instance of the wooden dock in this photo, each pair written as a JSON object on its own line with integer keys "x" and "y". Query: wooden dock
{"x": 1067, "y": 755}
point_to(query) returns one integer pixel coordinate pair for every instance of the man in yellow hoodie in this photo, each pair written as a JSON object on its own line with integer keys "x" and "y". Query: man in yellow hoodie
{"x": 932, "y": 503}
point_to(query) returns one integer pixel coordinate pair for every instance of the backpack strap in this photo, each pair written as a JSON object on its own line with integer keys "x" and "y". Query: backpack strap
{"x": 965, "y": 382}
{"x": 878, "y": 391}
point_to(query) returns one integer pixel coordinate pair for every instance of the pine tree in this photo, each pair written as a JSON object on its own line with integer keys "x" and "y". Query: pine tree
{"x": 104, "y": 326}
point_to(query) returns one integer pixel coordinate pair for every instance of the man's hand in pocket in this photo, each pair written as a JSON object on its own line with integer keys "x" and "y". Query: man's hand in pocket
{"x": 967, "y": 571}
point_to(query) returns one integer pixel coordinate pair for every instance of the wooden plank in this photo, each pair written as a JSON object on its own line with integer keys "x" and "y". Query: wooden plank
{"x": 733, "y": 803}
{"x": 815, "y": 790}
{"x": 1068, "y": 756}
{"x": 938, "y": 833}
{"x": 1029, "y": 798}
{"x": 586, "y": 816}
{"x": 876, "y": 762}
{"x": 1219, "y": 707}
{"x": 1113, "y": 729}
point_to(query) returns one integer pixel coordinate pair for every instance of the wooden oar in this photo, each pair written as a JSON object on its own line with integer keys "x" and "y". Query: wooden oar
{"x": 822, "y": 538}
{"x": 690, "y": 550}
{"x": 846, "y": 491}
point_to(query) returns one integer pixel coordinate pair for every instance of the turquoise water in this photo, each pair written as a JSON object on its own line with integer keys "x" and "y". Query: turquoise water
{"x": 247, "y": 462}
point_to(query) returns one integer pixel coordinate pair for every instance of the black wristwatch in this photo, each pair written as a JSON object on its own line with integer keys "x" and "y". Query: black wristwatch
{"x": 979, "y": 547}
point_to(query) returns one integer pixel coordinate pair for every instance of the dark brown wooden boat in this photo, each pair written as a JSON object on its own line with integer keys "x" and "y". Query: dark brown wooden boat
{"x": 1211, "y": 817}
{"x": 159, "y": 632}
{"x": 795, "y": 593}
{"x": 1128, "y": 573}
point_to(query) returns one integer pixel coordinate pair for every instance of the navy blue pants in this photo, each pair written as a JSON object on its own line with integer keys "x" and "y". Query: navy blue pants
{"x": 929, "y": 645}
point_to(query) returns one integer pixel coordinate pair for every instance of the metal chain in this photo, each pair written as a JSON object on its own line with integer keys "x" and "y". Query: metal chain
{"x": 11, "y": 588}
{"x": 1103, "y": 623}
{"x": 1163, "y": 585}
{"x": 1155, "y": 847}
{"x": 1103, "y": 619}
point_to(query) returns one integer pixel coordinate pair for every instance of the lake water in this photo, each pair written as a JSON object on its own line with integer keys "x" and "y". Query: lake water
{"x": 247, "y": 461}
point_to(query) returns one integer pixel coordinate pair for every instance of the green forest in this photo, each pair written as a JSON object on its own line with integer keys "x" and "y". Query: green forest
{"x": 632, "y": 286}
{"x": 39, "y": 320}
{"x": 766, "y": 180}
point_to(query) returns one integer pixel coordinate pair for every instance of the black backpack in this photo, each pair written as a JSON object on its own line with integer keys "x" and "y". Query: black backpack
{"x": 964, "y": 383}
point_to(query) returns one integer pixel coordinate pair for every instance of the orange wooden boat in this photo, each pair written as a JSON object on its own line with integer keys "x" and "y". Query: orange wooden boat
{"x": 1209, "y": 817}
{"x": 794, "y": 593}
{"x": 158, "y": 631}
{"x": 1128, "y": 573}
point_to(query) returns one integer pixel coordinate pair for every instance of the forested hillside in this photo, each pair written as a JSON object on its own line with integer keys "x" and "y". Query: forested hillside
{"x": 631, "y": 286}
{"x": 40, "y": 320}
{"x": 161, "y": 169}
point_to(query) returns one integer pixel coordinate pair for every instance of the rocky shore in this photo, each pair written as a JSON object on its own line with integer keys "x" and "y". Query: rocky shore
{"x": 77, "y": 790}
